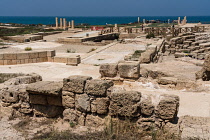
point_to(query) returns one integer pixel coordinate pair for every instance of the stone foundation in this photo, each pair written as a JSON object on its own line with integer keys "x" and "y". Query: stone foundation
{"x": 86, "y": 101}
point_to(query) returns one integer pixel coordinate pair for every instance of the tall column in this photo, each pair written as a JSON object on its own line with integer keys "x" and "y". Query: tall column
{"x": 69, "y": 24}
{"x": 138, "y": 19}
{"x": 64, "y": 23}
{"x": 179, "y": 21}
{"x": 115, "y": 25}
{"x": 72, "y": 24}
{"x": 61, "y": 23}
{"x": 56, "y": 22}
{"x": 144, "y": 21}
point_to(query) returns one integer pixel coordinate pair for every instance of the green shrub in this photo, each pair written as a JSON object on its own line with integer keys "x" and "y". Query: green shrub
{"x": 151, "y": 35}
{"x": 28, "y": 49}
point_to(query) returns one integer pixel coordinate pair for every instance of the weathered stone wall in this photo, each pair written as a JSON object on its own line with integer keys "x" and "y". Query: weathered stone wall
{"x": 25, "y": 57}
{"x": 86, "y": 101}
{"x": 37, "y": 57}
{"x": 123, "y": 69}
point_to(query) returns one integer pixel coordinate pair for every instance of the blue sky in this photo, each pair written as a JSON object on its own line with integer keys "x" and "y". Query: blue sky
{"x": 104, "y": 7}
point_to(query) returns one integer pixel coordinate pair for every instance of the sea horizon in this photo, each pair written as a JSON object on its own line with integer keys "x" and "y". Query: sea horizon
{"x": 97, "y": 20}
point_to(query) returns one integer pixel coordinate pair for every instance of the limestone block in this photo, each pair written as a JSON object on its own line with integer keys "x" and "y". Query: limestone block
{"x": 74, "y": 61}
{"x": 60, "y": 59}
{"x": 34, "y": 60}
{"x": 167, "y": 108}
{"x": 30, "y": 60}
{"x": 1, "y": 62}
{"x": 97, "y": 87}
{"x": 147, "y": 108}
{"x": 54, "y": 100}
{"x": 33, "y": 55}
{"x": 129, "y": 70}
{"x": 206, "y": 64}
{"x": 10, "y": 95}
{"x": 22, "y": 56}
{"x": 75, "y": 83}
{"x": 42, "y": 54}
{"x": 47, "y": 110}
{"x": 68, "y": 101}
{"x": 45, "y": 88}
{"x": 38, "y": 99}
{"x": 51, "y": 53}
{"x": 27, "y": 79}
{"x": 26, "y": 61}
{"x": 74, "y": 116}
{"x": 82, "y": 102}
{"x": 108, "y": 70}
{"x": 22, "y": 61}
{"x": 145, "y": 124}
{"x": 167, "y": 80}
{"x": 50, "y": 59}
{"x": 94, "y": 121}
{"x": 1, "y": 56}
{"x": 125, "y": 103}
{"x": 10, "y": 56}
{"x": 18, "y": 62}
{"x": 102, "y": 105}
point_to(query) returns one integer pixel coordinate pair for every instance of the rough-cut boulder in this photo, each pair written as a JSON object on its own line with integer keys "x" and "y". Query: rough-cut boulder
{"x": 108, "y": 70}
{"x": 145, "y": 124}
{"x": 125, "y": 103}
{"x": 167, "y": 108}
{"x": 47, "y": 110}
{"x": 45, "y": 88}
{"x": 82, "y": 102}
{"x": 94, "y": 121}
{"x": 68, "y": 99}
{"x": 74, "y": 116}
{"x": 167, "y": 80}
{"x": 129, "y": 69}
{"x": 100, "y": 106}
{"x": 147, "y": 108}
{"x": 27, "y": 79}
{"x": 97, "y": 87}
{"x": 75, "y": 83}
{"x": 148, "y": 55}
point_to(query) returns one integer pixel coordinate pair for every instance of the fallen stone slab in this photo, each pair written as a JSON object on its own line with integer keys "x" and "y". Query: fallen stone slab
{"x": 45, "y": 88}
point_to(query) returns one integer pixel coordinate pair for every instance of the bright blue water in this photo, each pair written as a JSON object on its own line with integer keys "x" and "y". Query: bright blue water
{"x": 97, "y": 20}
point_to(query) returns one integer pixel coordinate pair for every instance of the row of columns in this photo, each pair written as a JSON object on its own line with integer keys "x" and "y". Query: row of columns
{"x": 63, "y": 23}
{"x": 183, "y": 22}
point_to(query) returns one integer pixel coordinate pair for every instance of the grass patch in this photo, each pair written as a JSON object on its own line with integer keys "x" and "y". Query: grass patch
{"x": 91, "y": 50}
{"x": 28, "y": 49}
{"x": 115, "y": 130}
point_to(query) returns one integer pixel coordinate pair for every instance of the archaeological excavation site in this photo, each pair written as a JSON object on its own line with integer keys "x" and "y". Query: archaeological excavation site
{"x": 117, "y": 82}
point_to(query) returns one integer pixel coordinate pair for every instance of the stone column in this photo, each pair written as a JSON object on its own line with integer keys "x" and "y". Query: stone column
{"x": 72, "y": 24}
{"x": 56, "y": 22}
{"x": 64, "y": 23}
{"x": 168, "y": 21}
{"x": 69, "y": 24}
{"x": 179, "y": 21}
{"x": 61, "y": 23}
{"x": 115, "y": 25}
{"x": 138, "y": 19}
{"x": 144, "y": 21}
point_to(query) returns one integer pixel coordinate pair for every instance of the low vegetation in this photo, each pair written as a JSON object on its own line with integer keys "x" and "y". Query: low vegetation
{"x": 24, "y": 30}
{"x": 151, "y": 35}
{"x": 28, "y": 49}
{"x": 116, "y": 130}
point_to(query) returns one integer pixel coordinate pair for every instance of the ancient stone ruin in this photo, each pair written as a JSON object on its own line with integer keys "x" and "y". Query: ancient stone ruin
{"x": 86, "y": 101}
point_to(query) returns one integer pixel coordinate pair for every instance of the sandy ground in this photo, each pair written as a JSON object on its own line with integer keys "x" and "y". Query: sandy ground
{"x": 53, "y": 71}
